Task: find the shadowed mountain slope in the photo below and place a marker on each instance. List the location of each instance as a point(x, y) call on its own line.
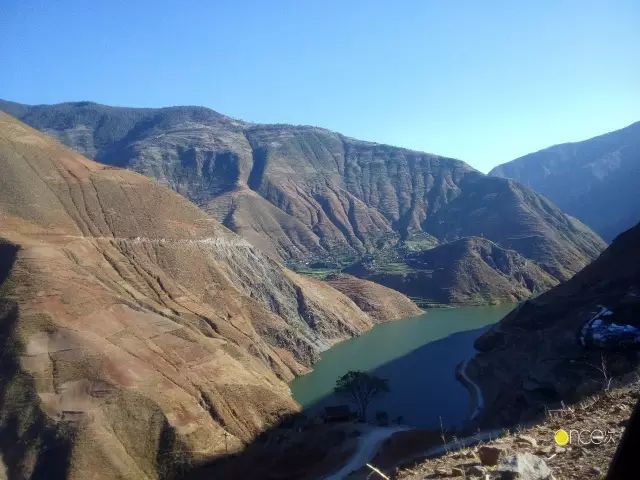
point(595, 180)
point(553, 348)
point(137, 334)
point(311, 196)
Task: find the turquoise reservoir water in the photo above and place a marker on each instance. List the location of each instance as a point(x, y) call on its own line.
point(417, 355)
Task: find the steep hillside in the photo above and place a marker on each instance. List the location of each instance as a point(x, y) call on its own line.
point(379, 302)
point(566, 343)
point(595, 180)
point(471, 270)
point(312, 197)
point(137, 334)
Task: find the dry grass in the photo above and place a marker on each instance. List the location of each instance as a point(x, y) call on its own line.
point(607, 411)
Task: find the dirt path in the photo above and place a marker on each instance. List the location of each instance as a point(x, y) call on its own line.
point(473, 386)
point(368, 445)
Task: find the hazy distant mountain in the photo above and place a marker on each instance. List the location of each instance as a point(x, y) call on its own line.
point(597, 180)
point(312, 197)
point(138, 335)
point(549, 349)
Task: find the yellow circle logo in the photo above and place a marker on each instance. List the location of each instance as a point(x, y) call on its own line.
point(562, 437)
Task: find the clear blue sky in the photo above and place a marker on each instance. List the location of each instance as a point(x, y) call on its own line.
point(484, 81)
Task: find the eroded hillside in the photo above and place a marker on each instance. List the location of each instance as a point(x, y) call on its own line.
point(312, 197)
point(139, 336)
point(472, 270)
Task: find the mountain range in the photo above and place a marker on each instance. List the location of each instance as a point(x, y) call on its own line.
point(137, 334)
point(596, 180)
point(146, 329)
point(317, 200)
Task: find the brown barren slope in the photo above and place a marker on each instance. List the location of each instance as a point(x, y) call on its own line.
point(470, 270)
point(138, 336)
point(381, 303)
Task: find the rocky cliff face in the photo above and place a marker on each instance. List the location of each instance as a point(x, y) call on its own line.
point(595, 180)
point(137, 334)
point(566, 343)
point(309, 196)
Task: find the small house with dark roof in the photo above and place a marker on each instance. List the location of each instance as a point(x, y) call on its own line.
point(337, 413)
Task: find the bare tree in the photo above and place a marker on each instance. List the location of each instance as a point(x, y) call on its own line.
point(604, 371)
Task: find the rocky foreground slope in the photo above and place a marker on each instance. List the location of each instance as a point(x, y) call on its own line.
point(138, 335)
point(531, 453)
point(312, 197)
point(595, 180)
point(566, 343)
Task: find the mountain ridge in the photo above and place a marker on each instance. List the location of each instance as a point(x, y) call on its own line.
point(308, 196)
point(594, 180)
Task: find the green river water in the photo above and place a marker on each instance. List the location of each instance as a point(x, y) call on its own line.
point(417, 355)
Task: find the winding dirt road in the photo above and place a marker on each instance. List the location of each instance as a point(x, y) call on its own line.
point(368, 445)
point(477, 396)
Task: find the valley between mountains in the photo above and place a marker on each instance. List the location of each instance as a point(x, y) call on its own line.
point(165, 272)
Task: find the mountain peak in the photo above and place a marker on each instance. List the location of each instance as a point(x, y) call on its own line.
point(594, 180)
